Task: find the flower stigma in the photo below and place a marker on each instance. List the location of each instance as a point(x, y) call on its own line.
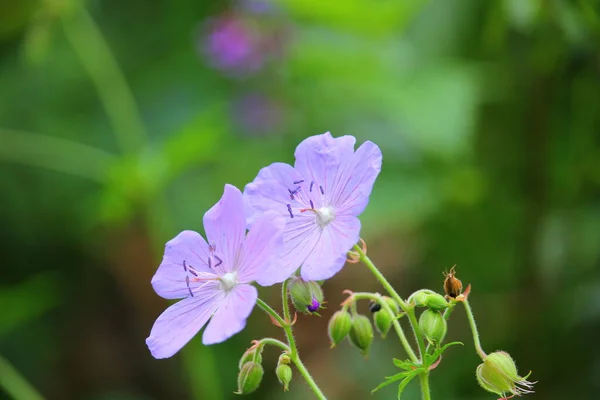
point(228, 281)
point(324, 216)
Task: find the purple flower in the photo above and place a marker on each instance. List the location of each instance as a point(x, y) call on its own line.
point(321, 196)
point(213, 278)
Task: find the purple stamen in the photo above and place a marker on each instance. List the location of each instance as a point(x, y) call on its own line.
point(311, 186)
point(314, 306)
point(321, 187)
point(209, 262)
point(297, 182)
point(219, 261)
point(187, 282)
point(312, 206)
point(290, 211)
point(184, 266)
point(192, 271)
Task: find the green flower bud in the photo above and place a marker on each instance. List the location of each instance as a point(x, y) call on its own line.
point(498, 374)
point(339, 326)
point(361, 334)
point(307, 296)
point(284, 375)
point(383, 319)
point(430, 299)
point(249, 356)
point(433, 326)
point(249, 377)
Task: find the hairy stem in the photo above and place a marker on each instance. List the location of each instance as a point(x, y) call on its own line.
point(474, 331)
point(410, 312)
point(275, 342)
point(285, 301)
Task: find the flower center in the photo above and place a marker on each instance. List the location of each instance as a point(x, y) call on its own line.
point(228, 281)
point(324, 216)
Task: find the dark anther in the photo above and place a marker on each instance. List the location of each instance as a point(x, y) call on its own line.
point(292, 193)
point(311, 185)
point(187, 282)
point(290, 211)
point(192, 272)
point(219, 261)
point(209, 262)
point(312, 206)
point(297, 182)
point(374, 307)
point(184, 266)
point(321, 187)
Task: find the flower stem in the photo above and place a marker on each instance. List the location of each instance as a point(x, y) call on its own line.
point(284, 300)
point(14, 384)
point(410, 312)
point(473, 326)
point(397, 327)
point(293, 350)
point(275, 342)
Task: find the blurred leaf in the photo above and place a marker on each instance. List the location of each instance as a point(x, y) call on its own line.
point(26, 301)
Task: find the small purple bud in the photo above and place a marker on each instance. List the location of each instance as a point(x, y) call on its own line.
point(314, 306)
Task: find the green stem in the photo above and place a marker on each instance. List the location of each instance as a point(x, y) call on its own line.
point(410, 312)
point(293, 350)
point(276, 343)
point(308, 378)
point(397, 327)
point(101, 66)
point(424, 381)
point(473, 326)
point(14, 384)
point(285, 301)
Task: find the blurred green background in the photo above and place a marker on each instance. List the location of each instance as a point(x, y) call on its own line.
point(120, 122)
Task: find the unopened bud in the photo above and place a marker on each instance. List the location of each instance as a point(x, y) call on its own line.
point(307, 296)
point(250, 354)
point(339, 326)
point(383, 319)
point(361, 334)
point(498, 374)
point(284, 371)
point(433, 326)
point(430, 299)
point(249, 377)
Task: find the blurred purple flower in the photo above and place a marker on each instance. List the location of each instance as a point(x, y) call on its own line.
point(213, 278)
point(256, 113)
point(233, 44)
point(321, 195)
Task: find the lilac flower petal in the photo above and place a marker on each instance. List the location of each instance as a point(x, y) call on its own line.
point(262, 246)
point(329, 254)
point(170, 279)
point(225, 226)
point(269, 190)
point(231, 316)
point(300, 237)
point(354, 181)
point(180, 322)
point(318, 158)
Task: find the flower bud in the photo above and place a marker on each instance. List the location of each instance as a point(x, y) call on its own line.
point(430, 299)
point(383, 319)
point(433, 326)
point(307, 296)
point(284, 371)
point(361, 334)
point(249, 377)
point(339, 326)
point(249, 356)
point(498, 374)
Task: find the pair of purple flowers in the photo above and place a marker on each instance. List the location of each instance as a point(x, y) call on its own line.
point(298, 216)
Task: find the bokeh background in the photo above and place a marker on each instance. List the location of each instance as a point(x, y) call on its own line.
point(120, 122)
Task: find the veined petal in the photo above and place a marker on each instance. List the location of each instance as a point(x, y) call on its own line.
point(230, 318)
point(329, 254)
point(355, 178)
point(318, 158)
point(270, 190)
point(263, 244)
point(187, 248)
point(181, 321)
point(300, 238)
point(225, 226)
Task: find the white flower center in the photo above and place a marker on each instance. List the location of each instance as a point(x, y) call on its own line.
point(228, 281)
point(324, 216)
